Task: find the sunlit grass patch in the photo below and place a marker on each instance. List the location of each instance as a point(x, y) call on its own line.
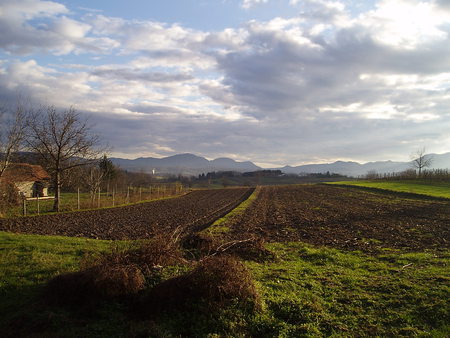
point(322, 291)
point(434, 189)
point(306, 291)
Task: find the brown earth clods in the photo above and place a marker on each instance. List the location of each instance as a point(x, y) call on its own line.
point(340, 217)
point(193, 211)
point(345, 218)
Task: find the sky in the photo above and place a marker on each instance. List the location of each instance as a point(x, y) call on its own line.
point(272, 81)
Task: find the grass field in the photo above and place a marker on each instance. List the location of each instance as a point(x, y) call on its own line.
point(69, 201)
point(306, 291)
point(434, 189)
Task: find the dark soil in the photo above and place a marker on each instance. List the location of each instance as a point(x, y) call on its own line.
point(345, 218)
point(193, 211)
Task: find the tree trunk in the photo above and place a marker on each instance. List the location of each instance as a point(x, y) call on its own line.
point(57, 191)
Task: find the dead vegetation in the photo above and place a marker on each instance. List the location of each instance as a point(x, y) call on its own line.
point(215, 282)
point(9, 196)
point(249, 247)
point(135, 275)
point(121, 272)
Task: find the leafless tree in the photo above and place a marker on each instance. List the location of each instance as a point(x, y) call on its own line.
point(93, 178)
point(63, 140)
point(12, 131)
point(420, 160)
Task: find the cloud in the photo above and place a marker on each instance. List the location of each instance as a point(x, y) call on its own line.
point(31, 25)
point(250, 3)
point(139, 75)
point(322, 85)
point(285, 70)
point(405, 24)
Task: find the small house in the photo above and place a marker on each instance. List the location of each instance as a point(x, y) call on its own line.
point(31, 180)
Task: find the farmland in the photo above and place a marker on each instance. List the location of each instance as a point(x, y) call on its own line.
point(345, 219)
point(136, 221)
point(334, 261)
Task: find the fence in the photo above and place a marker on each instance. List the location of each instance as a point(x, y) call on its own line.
point(82, 200)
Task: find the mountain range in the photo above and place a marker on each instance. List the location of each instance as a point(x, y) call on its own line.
point(183, 164)
point(189, 164)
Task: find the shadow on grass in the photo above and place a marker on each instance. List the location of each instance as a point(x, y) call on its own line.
point(25, 313)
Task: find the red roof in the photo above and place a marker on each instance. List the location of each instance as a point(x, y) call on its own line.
point(24, 172)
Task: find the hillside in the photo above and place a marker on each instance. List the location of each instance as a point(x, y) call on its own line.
point(189, 164)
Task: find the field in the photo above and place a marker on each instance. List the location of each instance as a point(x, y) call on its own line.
point(71, 201)
point(345, 219)
point(326, 261)
point(137, 221)
point(426, 188)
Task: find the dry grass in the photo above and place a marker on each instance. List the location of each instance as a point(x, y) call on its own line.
point(216, 282)
point(248, 248)
point(119, 273)
point(148, 256)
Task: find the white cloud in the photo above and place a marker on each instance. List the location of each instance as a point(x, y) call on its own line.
point(250, 3)
point(405, 23)
point(319, 84)
point(31, 25)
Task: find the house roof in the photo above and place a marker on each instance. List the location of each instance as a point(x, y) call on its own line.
point(24, 172)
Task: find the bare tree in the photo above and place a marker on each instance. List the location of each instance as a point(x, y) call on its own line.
point(93, 179)
point(420, 160)
point(12, 131)
point(63, 140)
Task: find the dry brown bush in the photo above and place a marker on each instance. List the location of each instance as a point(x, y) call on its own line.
point(216, 282)
point(100, 282)
point(148, 256)
point(248, 248)
point(117, 280)
point(9, 196)
point(120, 272)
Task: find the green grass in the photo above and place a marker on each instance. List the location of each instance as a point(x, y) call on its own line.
point(306, 292)
point(27, 262)
point(434, 189)
point(219, 226)
point(69, 203)
point(326, 292)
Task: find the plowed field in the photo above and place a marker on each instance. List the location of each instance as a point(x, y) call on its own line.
point(192, 211)
point(345, 218)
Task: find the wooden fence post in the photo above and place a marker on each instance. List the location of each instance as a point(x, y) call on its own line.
point(98, 202)
point(37, 201)
point(78, 198)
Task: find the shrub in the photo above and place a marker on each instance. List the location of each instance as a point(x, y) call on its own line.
point(86, 287)
point(9, 195)
point(149, 256)
point(118, 273)
point(216, 282)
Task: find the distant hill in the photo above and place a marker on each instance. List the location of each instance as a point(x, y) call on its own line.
point(184, 164)
point(440, 161)
point(189, 164)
